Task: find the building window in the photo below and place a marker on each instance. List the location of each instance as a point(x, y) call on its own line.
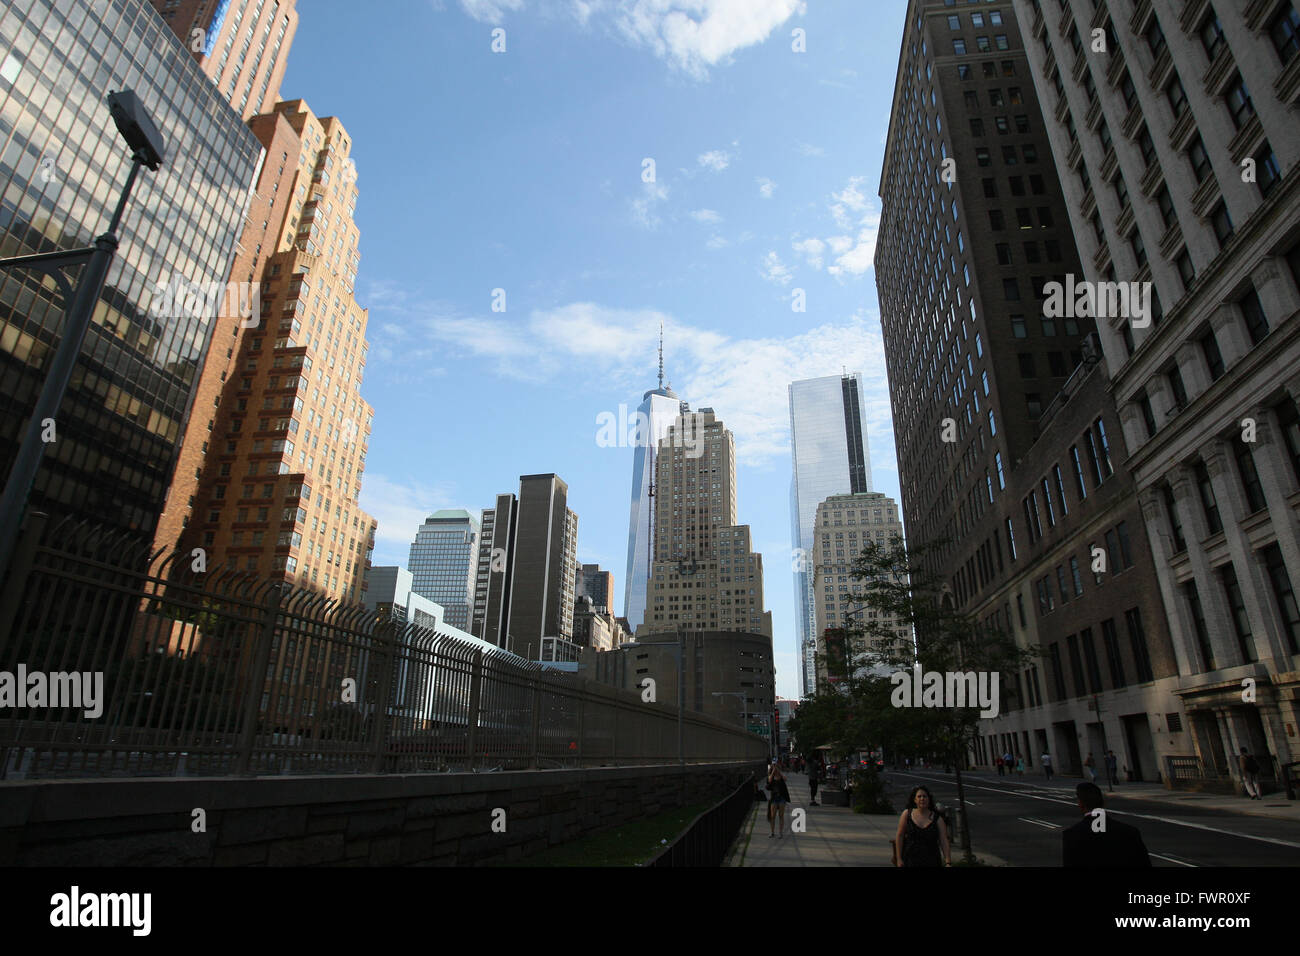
point(1090, 660)
point(1011, 549)
point(1078, 472)
point(1211, 33)
point(1165, 203)
point(1283, 594)
point(1058, 678)
point(1076, 666)
point(1240, 107)
point(1138, 642)
point(1105, 447)
point(1253, 311)
point(1143, 402)
point(1060, 489)
point(1125, 546)
point(1090, 445)
point(1197, 613)
point(1114, 658)
point(1213, 357)
point(1237, 608)
point(1221, 223)
point(1175, 525)
point(1175, 379)
point(1289, 418)
point(1267, 172)
point(1113, 555)
point(1177, 97)
point(1209, 503)
point(1200, 159)
point(1284, 31)
point(1249, 475)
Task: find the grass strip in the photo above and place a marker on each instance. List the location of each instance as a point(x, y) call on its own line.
point(627, 845)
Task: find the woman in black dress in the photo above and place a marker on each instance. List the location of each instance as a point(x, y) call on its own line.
point(922, 838)
point(780, 799)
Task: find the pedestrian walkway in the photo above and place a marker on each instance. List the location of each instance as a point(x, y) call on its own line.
point(1274, 805)
point(832, 836)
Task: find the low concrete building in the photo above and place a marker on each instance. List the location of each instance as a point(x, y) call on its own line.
point(729, 674)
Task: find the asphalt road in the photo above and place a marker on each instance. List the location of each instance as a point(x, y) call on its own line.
point(1021, 822)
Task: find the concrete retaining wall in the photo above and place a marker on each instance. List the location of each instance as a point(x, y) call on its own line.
point(363, 820)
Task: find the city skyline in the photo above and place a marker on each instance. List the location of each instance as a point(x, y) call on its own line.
point(1045, 257)
point(591, 258)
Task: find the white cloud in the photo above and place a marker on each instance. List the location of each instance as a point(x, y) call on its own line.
point(490, 11)
point(849, 200)
point(644, 207)
point(705, 215)
point(744, 378)
point(670, 28)
point(691, 35)
point(399, 507)
point(765, 187)
point(812, 250)
point(853, 249)
point(807, 149)
point(717, 242)
point(774, 270)
point(715, 159)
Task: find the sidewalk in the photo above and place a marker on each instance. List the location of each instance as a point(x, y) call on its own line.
point(1274, 805)
point(834, 836)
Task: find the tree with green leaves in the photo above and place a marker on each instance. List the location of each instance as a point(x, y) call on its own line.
point(900, 592)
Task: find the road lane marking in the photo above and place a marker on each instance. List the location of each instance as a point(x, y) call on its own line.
point(1041, 823)
point(1171, 859)
point(1142, 816)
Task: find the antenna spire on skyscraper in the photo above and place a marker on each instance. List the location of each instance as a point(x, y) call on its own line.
point(661, 355)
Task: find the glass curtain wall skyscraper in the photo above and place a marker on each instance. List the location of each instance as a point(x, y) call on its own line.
point(442, 562)
point(828, 448)
point(62, 168)
point(658, 410)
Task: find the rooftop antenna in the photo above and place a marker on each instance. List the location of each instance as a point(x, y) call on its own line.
point(661, 356)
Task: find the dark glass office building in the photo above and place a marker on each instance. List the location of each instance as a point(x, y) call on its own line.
point(62, 167)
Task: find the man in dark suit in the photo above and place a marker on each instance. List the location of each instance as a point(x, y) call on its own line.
point(1099, 840)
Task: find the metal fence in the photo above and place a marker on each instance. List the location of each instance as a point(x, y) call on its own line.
point(706, 841)
point(126, 662)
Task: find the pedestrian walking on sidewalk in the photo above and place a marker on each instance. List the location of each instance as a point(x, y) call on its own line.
point(922, 838)
point(1047, 764)
point(780, 792)
point(1250, 774)
point(1091, 766)
point(1002, 770)
point(1112, 769)
point(814, 778)
point(1020, 766)
point(1098, 840)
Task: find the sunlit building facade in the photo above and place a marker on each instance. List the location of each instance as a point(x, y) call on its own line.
point(830, 456)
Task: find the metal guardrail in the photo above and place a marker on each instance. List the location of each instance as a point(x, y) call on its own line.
point(222, 673)
point(706, 841)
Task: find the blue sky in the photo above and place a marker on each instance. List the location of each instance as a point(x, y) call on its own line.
point(523, 171)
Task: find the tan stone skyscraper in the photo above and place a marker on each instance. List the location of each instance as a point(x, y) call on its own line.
point(704, 575)
point(242, 45)
point(282, 475)
point(844, 525)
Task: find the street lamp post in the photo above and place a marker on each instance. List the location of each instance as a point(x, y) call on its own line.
point(147, 149)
